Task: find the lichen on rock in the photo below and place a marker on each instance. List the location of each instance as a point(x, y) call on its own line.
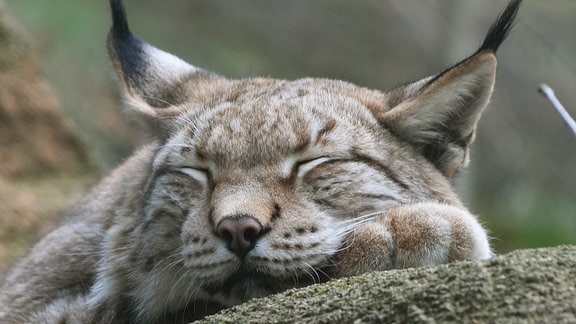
point(537, 285)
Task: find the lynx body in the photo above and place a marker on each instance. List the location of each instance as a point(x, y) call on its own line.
point(249, 187)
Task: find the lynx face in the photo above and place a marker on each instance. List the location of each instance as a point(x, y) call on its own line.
point(258, 185)
point(261, 191)
point(253, 186)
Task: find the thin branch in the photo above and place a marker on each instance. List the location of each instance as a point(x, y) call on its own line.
point(549, 93)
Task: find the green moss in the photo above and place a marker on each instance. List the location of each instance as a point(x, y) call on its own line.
point(523, 286)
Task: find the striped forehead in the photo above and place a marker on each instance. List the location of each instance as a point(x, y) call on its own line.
point(264, 131)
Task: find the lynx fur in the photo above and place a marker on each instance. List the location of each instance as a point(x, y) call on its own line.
point(250, 187)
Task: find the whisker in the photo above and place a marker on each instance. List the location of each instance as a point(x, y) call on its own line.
point(307, 271)
point(187, 297)
point(367, 217)
point(178, 145)
point(316, 278)
point(175, 286)
point(161, 100)
point(102, 252)
point(324, 272)
point(344, 247)
point(294, 276)
point(194, 296)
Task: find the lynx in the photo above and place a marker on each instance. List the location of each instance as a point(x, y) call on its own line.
point(250, 187)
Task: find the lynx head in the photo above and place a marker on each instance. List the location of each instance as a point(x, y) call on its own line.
point(255, 183)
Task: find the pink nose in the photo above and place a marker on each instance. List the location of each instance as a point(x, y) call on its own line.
point(240, 232)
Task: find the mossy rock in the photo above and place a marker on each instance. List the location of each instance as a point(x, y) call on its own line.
point(536, 285)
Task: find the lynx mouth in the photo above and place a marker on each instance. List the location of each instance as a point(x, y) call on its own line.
point(247, 284)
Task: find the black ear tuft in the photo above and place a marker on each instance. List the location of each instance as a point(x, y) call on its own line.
point(438, 115)
point(152, 82)
point(119, 21)
point(126, 51)
point(500, 29)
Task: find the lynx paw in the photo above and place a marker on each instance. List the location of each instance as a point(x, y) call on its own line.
point(414, 235)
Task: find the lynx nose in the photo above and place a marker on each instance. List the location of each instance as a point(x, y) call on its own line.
point(241, 233)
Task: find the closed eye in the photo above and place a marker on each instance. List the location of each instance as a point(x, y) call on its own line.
point(305, 166)
point(199, 174)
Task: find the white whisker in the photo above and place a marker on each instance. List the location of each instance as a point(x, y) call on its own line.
point(316, 278)
point(307, 271)
point(160, 100)
point(178, 145)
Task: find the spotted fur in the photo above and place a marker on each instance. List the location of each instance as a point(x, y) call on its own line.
point(253, 186)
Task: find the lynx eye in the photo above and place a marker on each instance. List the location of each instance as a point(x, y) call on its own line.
point(199, 174)
point(304, 166)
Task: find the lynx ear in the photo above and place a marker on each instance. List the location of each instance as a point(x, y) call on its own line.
point(438, 115)
point(154, 83)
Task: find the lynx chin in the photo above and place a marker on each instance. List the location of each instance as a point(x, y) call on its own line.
point(249, 187)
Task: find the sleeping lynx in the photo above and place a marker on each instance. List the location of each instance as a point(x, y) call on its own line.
point(249, 187)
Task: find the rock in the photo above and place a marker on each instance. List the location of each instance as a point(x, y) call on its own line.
point(536, 285)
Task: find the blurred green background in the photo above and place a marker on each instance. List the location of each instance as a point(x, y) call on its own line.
point(522, 179)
